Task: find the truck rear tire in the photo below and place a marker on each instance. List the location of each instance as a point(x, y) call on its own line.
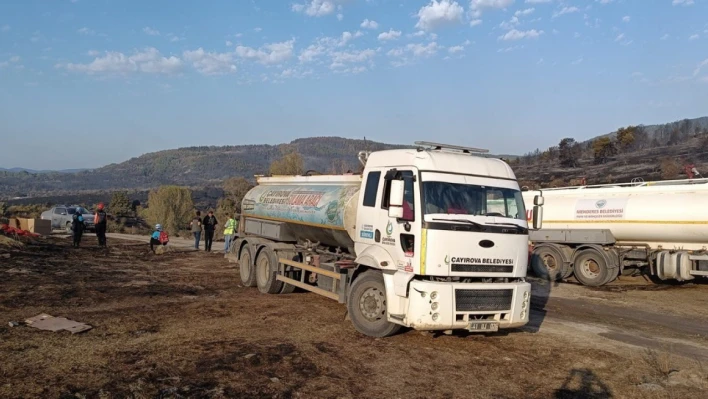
point(366, 305)
point(245, 265)
point(266, 272)
point(591, 268)
point(548, 263)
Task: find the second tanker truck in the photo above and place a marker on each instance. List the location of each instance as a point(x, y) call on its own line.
point(658, 229)
point(411, 242)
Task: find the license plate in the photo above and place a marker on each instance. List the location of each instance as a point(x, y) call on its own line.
point(490, 326)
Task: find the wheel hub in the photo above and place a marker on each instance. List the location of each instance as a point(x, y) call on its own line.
point(591, 268)
point(372, 304)
point(550, 262)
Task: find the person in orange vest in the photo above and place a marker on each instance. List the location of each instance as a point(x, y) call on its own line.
point(100, 220)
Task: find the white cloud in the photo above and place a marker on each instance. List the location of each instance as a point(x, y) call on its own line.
point(229, 43)
point(85, 31)
point(455, 49)
point(439, 13)
point(509, 49)
point(317, 8)
point(148, 60)
point(518, 35)
point(93, 53)
point(5, 28)
point(626, 18)
point(509, 25)
point(341, 58)
point(257, 29)
point(414, 50)
point(15, 59)
point(369, 24)
point(423, 50)
point(520, 13)
point(666, 36)
point(694, 37)
point(700, 66)
point(209, 63)
point(565, 10)
point(682, 2)
point(390, 35)
point(273, 53)
point(340, 17)
point(577, 62)
point(311, 53)
point(619, 37)
point(475, 22)
point(477, 6)
point(150, 31)
point(604, 1)
point(537, 1)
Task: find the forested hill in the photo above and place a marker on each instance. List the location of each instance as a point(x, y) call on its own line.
point(192, 166)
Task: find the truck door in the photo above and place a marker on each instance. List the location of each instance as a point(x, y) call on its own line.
point(401, 236)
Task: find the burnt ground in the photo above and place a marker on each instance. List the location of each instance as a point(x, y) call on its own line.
point(180, 325)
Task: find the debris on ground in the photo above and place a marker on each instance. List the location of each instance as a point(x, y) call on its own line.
point(50, 323)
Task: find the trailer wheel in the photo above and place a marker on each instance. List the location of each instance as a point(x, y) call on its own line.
point(366, 305)
point(266, 267)
point(547, 263)
point(245, 266)
point(590, 268)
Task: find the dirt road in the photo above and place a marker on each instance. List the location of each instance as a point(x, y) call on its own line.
point(180, 325)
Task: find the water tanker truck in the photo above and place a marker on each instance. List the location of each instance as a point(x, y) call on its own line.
point(411, 242)
point(659, 229)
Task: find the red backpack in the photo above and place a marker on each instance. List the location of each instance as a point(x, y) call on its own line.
point(164, 239)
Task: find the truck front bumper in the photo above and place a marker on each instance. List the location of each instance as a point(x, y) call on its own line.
point(447, 306)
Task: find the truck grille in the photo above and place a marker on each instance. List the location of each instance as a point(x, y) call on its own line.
point(483, 300)
point(457, 267)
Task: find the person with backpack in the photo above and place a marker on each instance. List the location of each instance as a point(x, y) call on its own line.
point(159, 237)
point(209, 224)
point(229, 229)
point(196, 227)
point(77, 228)
point(100, 220)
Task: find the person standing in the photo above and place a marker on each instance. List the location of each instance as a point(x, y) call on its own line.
point(196, 227)
point(229, 228)
point(77, 228)
point(209, 224)
point(100, 220)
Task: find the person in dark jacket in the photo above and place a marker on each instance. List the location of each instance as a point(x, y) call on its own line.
point(77, 228)
point(209, 224)
point(100, 220)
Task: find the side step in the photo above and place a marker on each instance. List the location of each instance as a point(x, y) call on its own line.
point(698, 273)
point(339, 288)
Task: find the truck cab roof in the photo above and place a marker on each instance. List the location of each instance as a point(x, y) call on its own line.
point(442, 162)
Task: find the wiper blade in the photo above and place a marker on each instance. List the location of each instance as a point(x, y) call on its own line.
point(480, 226)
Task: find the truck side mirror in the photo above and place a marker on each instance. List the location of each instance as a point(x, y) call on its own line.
point(395, 199)
point(538, 200)
point(537, 217)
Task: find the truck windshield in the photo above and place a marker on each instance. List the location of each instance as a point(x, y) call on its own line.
point(467, 199)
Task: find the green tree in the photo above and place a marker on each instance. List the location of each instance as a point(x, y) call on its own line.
point(235, 189)
point(120, 204)
point(289, 164)
point(569, 153)
point(171, 206)
point(626, 138)
point(603, 148)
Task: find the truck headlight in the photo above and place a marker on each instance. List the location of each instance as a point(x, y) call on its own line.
point(435, 316)
point(434, 295)
point(434, 306)
point(523, 314)
point(526, 295)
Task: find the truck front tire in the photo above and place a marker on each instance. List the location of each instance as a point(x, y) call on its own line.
point(245, 266)
point(366, 305)
point(266, 272)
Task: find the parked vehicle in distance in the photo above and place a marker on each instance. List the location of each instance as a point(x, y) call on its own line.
point(62, 215)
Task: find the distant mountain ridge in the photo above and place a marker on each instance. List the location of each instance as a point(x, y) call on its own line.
point(17, 170)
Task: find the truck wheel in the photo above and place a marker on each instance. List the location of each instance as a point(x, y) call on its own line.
point(68, 228)
point(547, 263)
point(366, 305)
point(590, 268)
point(266, 266)
point(245, 266)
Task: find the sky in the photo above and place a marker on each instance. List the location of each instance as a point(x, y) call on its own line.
point(85, 83)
